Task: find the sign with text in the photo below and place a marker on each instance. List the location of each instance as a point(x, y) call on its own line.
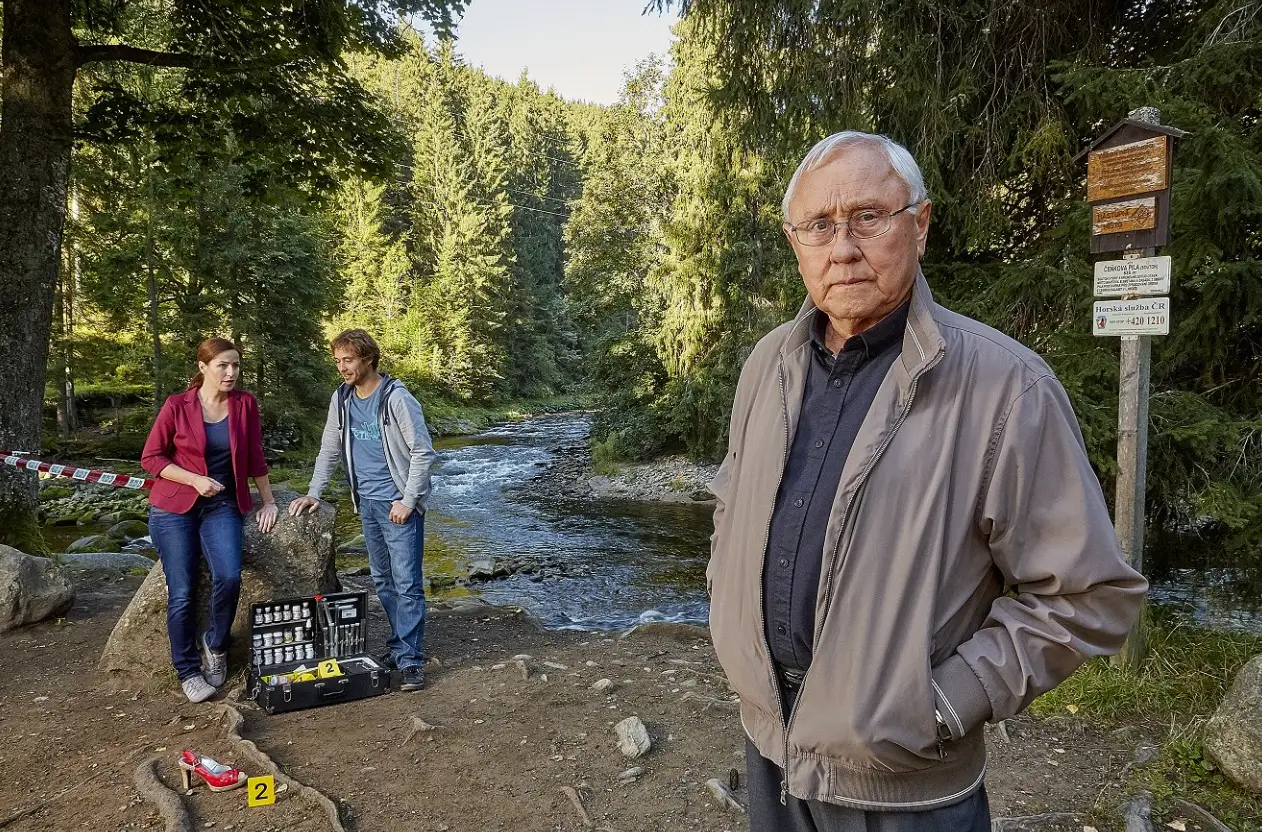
point(1128, 215)
point(1127, 169)
point(1139, 276)
point(1150, 316)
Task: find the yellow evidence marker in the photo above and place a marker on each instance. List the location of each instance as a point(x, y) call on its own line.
point(261, 791)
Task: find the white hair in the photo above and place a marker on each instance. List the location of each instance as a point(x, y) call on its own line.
point(900, 159)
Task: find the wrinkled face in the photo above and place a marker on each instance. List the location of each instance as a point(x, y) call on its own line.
point(858, 282)
point(222, 372)
point(350, 366)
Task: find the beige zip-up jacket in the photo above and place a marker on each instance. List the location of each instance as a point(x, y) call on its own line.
point(969, 564)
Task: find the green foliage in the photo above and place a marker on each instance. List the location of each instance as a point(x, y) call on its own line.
point(452, 256)
point(456, 264)
point(994, 103)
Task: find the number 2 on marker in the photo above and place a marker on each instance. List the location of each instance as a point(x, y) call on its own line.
point(262, 790)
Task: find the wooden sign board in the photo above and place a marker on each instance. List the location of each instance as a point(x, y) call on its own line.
point(1130, 162)
point(1125, 170)
point(1120, 217)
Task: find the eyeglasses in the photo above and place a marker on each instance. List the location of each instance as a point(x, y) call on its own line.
point(864, 224)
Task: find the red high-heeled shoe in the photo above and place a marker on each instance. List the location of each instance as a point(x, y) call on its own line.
point(217, 776)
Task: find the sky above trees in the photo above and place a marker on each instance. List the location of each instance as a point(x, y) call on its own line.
point(579, 48)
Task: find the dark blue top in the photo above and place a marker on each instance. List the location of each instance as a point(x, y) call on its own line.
point(219, 462)
point(839, 391)
point(372, 475)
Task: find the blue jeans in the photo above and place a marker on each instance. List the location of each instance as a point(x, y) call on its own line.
point(212, 531)
point(395, 554)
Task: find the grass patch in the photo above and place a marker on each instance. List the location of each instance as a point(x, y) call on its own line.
point(1187, 671)
point(1176, 689)
point(606, 457)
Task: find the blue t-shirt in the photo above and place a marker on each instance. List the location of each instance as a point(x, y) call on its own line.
point(372, 477)
point(219, 461)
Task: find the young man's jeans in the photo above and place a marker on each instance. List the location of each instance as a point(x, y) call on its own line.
point(395, 557)
point(213, 531)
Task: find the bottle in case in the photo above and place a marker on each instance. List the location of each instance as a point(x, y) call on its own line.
point(312, 651)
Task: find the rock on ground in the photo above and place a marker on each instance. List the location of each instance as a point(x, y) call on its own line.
point(31, 589)
point(295, 558)
point(1233, 737)
point(633, 737)
point(723, 795)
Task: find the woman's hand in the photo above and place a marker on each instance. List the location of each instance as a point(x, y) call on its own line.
point(206, 486)
point(267, 517)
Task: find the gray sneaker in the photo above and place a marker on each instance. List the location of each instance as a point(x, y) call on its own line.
point(197, 689)
point(214, 665)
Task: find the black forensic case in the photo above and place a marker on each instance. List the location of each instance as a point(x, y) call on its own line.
point(288, 634)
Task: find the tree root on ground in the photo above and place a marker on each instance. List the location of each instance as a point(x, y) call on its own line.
point(233, 722)
point(161, 797)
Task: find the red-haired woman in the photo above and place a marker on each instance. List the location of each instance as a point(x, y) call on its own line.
point(203, 446)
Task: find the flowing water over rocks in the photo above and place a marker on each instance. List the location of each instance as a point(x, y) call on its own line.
point(624, 562)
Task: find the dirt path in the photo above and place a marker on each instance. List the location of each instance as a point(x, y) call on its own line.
point(503, 748)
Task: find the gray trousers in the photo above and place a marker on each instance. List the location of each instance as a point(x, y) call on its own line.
point(766, 814)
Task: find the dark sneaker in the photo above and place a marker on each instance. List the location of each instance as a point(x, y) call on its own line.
point(413, 678)
point(387, 661)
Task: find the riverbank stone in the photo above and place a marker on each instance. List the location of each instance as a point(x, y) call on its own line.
point(295, 558)
point(31, 589)
point(128, 530)
point(355, 545)
point(95, 543)
point(1233, 736)
point(89, 567)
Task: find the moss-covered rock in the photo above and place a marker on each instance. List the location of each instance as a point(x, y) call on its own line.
point(95, 543)
point(128, 530)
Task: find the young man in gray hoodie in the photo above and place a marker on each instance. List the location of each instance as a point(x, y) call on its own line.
point(377, 427)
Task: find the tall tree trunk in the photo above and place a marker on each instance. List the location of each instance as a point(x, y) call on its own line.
point(63, 329)
point(36, 121)
point(151, 288)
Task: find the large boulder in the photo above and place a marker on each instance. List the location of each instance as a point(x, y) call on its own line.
point(1233, 737)
point(31, 589)
point(295, 558)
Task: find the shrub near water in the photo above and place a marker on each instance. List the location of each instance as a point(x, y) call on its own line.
point(1176, 690)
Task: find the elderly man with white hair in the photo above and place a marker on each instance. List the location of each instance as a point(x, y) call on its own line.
point(909, 539)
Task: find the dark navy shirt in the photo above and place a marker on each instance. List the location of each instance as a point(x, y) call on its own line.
point(839, 391)
point(219, 462)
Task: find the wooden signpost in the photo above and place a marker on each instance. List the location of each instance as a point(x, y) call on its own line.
point(1128, 186)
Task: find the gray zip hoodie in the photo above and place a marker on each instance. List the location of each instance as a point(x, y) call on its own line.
point(404, 436)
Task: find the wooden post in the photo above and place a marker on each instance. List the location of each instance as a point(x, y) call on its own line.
point(1132, 466)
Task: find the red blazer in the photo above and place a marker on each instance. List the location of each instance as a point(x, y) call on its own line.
point(178, 437)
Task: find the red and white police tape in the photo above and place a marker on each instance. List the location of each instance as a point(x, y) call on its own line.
point(80, 474)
